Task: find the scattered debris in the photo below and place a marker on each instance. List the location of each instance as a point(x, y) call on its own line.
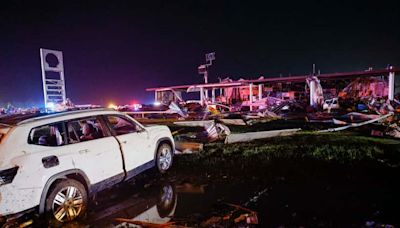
point(188, 147)
point(331, 104)
point(315, 87)
point(145, 224)
point(197, 123)
point(215, 131)
point(394, 131)
point(239, 215)
point(249, 136)
point(365, 88)
point(175, 108)
point(376, 133)
point(354, 117)
point(233, 121)
point(357, 124)
point(373, 224)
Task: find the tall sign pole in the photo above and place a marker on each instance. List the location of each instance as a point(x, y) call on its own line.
point(209, 58)
point(53, 78)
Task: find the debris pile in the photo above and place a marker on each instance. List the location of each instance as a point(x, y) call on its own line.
point(235, 215)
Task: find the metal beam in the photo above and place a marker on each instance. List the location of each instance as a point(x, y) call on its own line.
point(202, 96)
point(391, 85)
point(313, 88)
point(251, 96)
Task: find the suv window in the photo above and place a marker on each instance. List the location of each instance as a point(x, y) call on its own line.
point(84, 130)
point(122, 125)
point(48, 135)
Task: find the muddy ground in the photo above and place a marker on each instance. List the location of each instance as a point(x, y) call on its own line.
point(299, 181)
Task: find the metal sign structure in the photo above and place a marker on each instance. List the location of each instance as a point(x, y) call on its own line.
point(209, 58)
point(53, 77)
point(203, 69)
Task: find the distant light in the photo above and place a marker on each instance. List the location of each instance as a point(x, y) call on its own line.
point(136, 106)
point(113, 106)
point(50, 106)
point(156, 103)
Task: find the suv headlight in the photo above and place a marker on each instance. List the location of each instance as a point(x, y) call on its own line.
point(7, 175)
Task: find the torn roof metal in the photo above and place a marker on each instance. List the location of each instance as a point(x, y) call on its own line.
point(300, 78)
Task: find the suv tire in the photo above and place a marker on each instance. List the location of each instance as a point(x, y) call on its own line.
point(66, 201)
point(164, 157)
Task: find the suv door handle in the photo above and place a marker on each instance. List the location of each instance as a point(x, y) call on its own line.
point(83, 151)
point(124, 142)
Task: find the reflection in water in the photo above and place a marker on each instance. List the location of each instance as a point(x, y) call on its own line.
point(154, 205)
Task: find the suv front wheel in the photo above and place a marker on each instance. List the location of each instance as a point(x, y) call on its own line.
point(164, 157)
point(67, 200)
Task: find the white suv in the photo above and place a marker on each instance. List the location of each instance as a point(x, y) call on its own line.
point(54, 163)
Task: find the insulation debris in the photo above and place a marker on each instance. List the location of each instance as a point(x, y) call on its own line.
point(249, 136)
point(233, 121)
point(173, 107)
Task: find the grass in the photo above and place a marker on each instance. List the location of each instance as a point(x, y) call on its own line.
point(340, 147)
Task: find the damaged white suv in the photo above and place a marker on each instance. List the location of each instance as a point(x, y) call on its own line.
point(54, 163)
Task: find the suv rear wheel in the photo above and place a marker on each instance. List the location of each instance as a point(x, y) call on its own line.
point(67, 201)
point(164, 157)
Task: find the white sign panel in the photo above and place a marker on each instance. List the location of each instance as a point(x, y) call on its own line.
point(210, 56)
point(52, 77)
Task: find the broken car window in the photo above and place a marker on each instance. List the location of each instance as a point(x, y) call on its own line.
point(48, 135)
point(84, 130)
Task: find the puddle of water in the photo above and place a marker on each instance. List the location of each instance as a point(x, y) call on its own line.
point(284, 194)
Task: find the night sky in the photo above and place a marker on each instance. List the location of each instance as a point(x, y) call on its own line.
point(113, 50)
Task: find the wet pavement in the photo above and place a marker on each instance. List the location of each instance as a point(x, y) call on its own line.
point(283, 194)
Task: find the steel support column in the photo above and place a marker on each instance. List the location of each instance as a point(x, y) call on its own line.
point(313, 88)
point(391, 85)
point(201, 95)
point(251, 96)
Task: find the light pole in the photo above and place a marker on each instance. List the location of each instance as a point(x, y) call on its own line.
point(203, 69)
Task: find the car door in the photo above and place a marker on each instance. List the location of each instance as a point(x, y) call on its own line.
point(97, 153)
point(134, 141)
